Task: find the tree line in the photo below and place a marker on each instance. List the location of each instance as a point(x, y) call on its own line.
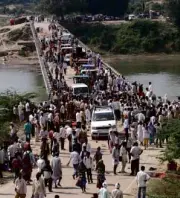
point(106, 7)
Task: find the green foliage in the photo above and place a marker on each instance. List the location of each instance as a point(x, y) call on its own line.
point(7, 101)
point(60, 8)
point(173, 8)
point(171, 130)
point(110, 8)
point(139, 36)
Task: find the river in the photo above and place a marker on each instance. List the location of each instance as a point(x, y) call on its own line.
point(163, 72)
point(22, 79)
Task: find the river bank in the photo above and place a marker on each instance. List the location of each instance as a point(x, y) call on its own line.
point(137, 37)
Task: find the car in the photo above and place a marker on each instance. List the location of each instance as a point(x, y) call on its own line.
point(103, 118)
point(79, 89)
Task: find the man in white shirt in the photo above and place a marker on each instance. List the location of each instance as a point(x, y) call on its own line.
point(78, 119)
point(135, 152)
point(62, 136)
point(20, 187)
point(40, 164)
point(88, 162)
point(88, 116)
point(141, 179)
point(75, 159)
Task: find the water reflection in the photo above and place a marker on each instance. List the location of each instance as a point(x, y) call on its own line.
point(24, 79)
point(164, 74)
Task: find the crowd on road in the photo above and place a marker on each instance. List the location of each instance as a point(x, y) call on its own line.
point(65, 119)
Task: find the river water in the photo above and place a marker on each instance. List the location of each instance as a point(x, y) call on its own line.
point(22, 79)
point(164, 73)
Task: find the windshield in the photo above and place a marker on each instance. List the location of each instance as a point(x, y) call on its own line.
point(103, 116)
point(80, 90)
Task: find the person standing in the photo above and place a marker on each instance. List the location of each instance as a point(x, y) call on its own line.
point(57, 169)
point(62, 136)
point(104, 193)
point(141, 179)
point(115, 157)
point(117, 193)
point(28, 129)
point(136, 151)
point(38, 187)
point(20, 187)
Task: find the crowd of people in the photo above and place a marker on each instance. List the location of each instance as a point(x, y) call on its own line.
point(66, 118)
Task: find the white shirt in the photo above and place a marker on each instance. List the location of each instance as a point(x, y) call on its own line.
point(68, 131)
point(27, 107)
point(88, 115)
point(141, 178)
point(40, 164)
point(88, 162)
point(62, 132)
point(56, 135)
point(78, 117)
point(75, 157)
point(135, 151)
point(88, 147)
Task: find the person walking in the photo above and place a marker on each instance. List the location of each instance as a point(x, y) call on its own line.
point(141, 179)
point(75, 158)
point(20, 187)
point(38, 187)
point(88, 162)
point(123, 155)
point(57, 169)
point(115, 157)
point(117, 193)
point(47, 173)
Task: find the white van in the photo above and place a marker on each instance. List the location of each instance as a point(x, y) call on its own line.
point(103, 118)
point(80, 89)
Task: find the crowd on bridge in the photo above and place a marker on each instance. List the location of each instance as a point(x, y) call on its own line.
point(66, 118)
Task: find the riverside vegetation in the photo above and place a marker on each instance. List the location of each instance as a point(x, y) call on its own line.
point(139, 36)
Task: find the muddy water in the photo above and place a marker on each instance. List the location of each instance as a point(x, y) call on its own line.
point(22, 79)
point(163, 72)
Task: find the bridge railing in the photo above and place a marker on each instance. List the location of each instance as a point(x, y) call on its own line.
point(43, 64)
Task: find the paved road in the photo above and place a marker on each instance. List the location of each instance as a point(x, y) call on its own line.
point(128, 183)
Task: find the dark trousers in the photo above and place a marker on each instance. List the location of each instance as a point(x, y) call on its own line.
point(1, 169)
point(141, 192)
point(78, 124)
point(114, 169)
point(134, 166)
point(48, 182)
point(16, 173)
point(89, 175)
point(75, 167)
point(62, 140)
point(117, 114)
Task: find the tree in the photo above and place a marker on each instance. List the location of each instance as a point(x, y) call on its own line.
point(108, 7)
point(61, 7)
point(173, 8)
point(171, 131)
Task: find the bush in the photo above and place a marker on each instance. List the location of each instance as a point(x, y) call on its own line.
point(133, 37)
